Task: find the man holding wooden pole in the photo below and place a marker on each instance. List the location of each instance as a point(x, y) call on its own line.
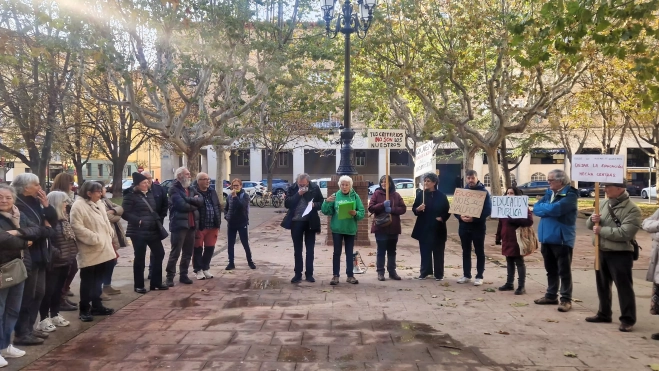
point(557, 232)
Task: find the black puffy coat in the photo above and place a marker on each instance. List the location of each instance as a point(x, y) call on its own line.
point(64, 250)
point(293, 198)
point(180, 204)
point(142, 223)
point(236, 210)
point(160, 196)
point(31, 208)
point(11, 246)
point(202, 210)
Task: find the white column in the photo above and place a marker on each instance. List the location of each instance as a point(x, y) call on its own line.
point(226, 156)
point(524, 170)
point(382, 163)
point(255, 165)
point(211, 163)
point(298, 162)
point(480, 168)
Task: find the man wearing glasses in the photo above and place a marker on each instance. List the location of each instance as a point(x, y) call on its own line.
point(209, 227)
point(557, 231)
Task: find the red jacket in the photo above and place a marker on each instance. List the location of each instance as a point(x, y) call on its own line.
point(506, 235)
point(376, 207)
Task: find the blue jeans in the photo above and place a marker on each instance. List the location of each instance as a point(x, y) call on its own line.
point(10, 305)
point(349, 246)
point(109, 269)
point(478, 239)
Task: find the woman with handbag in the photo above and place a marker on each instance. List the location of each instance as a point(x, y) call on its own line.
point(507, 237)
point(16, 235)
point(93, 233)
point(63, 252)
point(431, 208)
point(144, 229)
point(386, 225)
point(63, 182)
point(344, 227)
point(114, 212)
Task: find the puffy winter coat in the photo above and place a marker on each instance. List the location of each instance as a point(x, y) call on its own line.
point(558, 218)
point(212, 194)
point(236, 210)
point(427, 226)
point(376, 207)
point(160, 196)
point(93, 232)
point(64, 249)
point(651, 225)
point(293, 198)
point(11, 246)
point(31, 208)
point(181, 203)
point(142, 223)
point(507, 234)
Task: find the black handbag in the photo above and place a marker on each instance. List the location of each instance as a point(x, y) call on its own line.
point(161, 230)
point(637, 247)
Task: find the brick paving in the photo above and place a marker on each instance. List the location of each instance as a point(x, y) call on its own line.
point(256, 320)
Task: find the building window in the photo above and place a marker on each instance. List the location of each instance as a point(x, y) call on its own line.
point(487, 180)
point(282, 159)
point(128, 172)
point(100, 169)
point(538, 177)
point(243, 158)
point(360, 158)
point(547, 156)
point(89, 169)
point(399, 158)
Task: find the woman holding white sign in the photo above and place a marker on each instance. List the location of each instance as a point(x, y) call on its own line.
point(507, 238)
point(431, 208)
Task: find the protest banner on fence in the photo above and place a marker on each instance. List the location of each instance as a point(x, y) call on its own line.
point(516, 207)
point(598, 168)
point(386, 139)
point(467, 202)
point(424, 159)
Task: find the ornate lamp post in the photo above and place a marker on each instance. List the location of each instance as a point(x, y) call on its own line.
point(347, 22)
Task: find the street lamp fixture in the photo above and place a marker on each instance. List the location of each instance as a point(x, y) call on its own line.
point(347, 22)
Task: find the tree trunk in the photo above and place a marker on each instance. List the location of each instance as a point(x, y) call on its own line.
point(504, 164)
point(220, 152)
point(118, 164)
point(493, 167)
point(271, 158)
point(193, 159)
point(81, 177)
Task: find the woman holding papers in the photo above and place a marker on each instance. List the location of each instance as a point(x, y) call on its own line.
point(507, 238)
point(431, 208)
point(346, 209)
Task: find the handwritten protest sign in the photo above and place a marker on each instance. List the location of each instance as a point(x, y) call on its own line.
point(386, 139)
point(516, 207)
point(598, 168)
point(424, 159)
point(467, 202)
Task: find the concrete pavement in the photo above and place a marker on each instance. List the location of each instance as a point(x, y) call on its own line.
point(256, 320)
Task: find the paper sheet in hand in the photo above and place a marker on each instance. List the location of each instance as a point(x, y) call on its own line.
point(308, 209)
point(344, 210)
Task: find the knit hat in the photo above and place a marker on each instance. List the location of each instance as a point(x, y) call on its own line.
point(619, 185)
point(138, 178)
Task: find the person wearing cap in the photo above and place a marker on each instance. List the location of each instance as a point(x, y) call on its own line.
point(557, 232)
point(619, 219)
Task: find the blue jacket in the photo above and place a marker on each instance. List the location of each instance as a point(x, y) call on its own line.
point(478, 224)
point(558, 218)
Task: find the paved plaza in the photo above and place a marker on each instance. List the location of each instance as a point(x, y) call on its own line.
point(256, 320)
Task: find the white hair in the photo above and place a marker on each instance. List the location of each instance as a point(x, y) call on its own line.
point(179, 171)
point(345, 178)
point(21, 181)
point(57, 199)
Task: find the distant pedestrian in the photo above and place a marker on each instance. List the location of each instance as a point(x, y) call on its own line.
point(64, 182)
point(620, 219)
point(114, 212)
point(507, 237)
point(156, 182)
point(236, 213)
point(651, 225)
point(431, 208)
point(386, 236)
point(303, 226)
point(557, 232)
point(343, 229)
point(472, 230)
point(210, 219)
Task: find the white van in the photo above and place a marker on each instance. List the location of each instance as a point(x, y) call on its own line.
point(322, 183)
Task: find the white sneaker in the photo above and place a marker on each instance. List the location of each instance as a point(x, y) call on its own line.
point(464, 280)
point(3, 362)
point(12, 352)
point(478, 282)
point(200, 275)
point(46, 326)
point(208, 274)
point(59, 321)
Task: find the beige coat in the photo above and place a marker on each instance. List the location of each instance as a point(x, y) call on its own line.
point(612, 237)
point(651, 225)
point(93, 232)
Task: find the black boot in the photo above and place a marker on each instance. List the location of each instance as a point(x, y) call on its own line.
point(507, 287)
point(169, 282)
point(185, 279)
point(380, 276)
point(520, 290)
point(101, 311)
point(85, 313)
point(521, 273)
point(230, 266)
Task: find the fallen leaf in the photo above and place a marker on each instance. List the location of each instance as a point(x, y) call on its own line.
point(449, 290)
point(326, 290)
point(487, 333)
point(503, 332)
point(551, 320)
point(455, 353)
point(488, 283)
point(518, 304)
point(372, 265)
point(448, 266)
point(654, 367)
point(434, 296)
point(455, 275)
point(577, 300)
point(570, 354)
point(371, 254)
point(489, 289)
point(404, 289)
point(204, 290)
point(445, 284)
point(479, 299)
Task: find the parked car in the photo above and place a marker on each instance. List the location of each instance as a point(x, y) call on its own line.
point(406, 189)
point(652, 191)
point(372, 188)
point(634, 189)
point(165, 184)
point(400, 180)
point(125, 183)
point(249, 187)
point(534, 188)
point(589, 191)
point(278, 185)
point(212, 185)
point(322, 184)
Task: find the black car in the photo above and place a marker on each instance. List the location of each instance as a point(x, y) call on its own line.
point(165, 184)
point(634, 189)
point(534, 188)
point(589, 191)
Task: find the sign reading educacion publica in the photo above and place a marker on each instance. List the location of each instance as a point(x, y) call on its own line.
point(516, 207)
point(468, 202)
point(390, 138)
point(424, 158)
point(598, 168)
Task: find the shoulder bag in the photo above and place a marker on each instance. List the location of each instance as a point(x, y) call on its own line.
point(527, 240)
point(637, 247)
point(12, 273)
point(163, 232)
point(383, 220)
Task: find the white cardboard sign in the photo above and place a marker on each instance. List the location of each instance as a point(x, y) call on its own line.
point(516, 207)
point(424, 159)
point(390, 138)
point(598, 168)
